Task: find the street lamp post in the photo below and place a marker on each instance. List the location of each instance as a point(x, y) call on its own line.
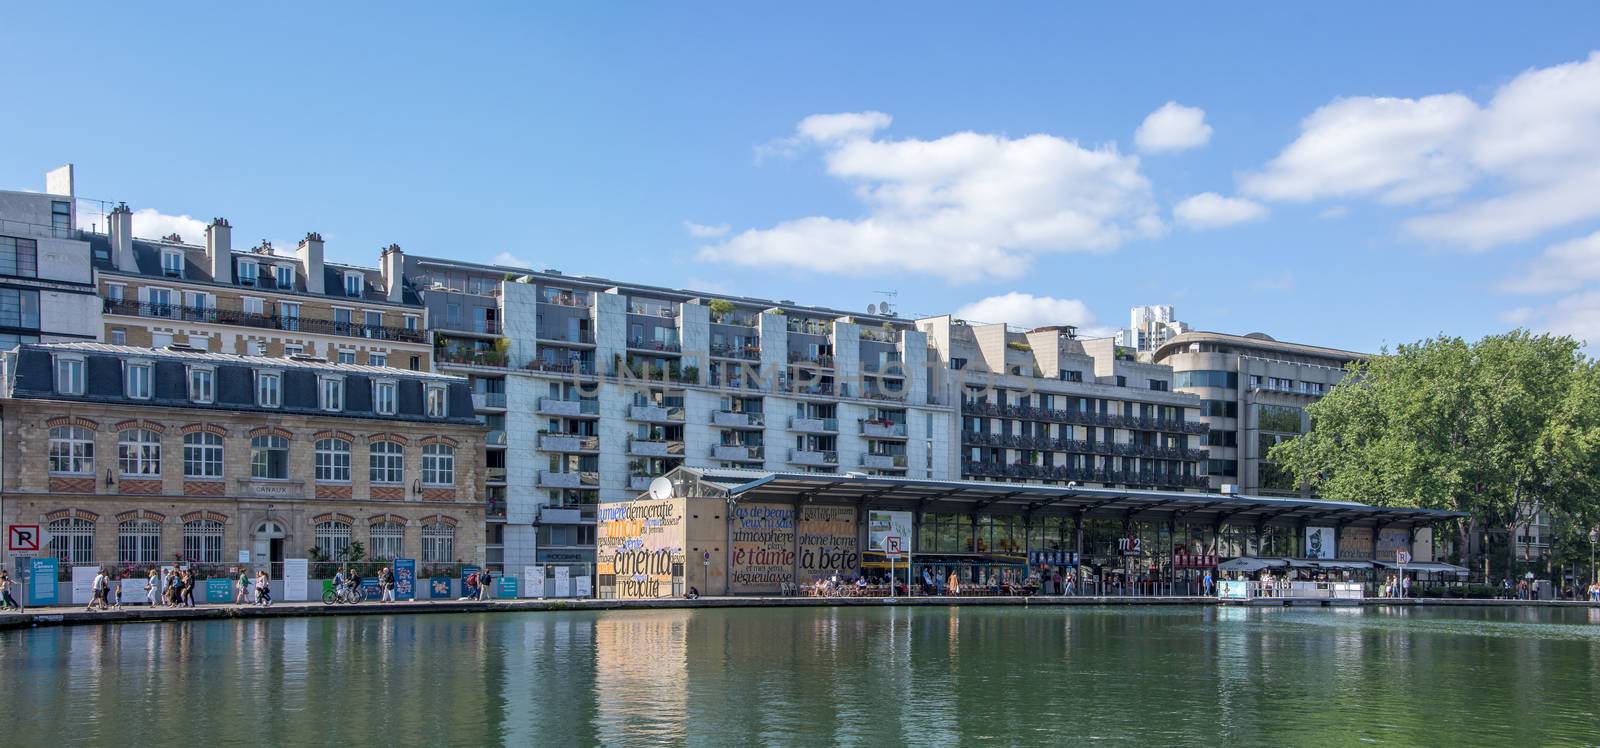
point(1594, 536)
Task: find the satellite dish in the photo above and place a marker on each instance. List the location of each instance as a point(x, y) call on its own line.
point(872, 309)
point(661, 488)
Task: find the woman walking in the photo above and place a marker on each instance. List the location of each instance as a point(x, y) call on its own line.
point(152, 588)
point(6, 585)
point(241, 593)
point(263, 590)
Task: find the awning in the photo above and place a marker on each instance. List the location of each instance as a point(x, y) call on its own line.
point(1432, 567)
point(1249, 564)
point(1341, 564)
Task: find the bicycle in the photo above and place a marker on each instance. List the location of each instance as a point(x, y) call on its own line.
point(344, 595)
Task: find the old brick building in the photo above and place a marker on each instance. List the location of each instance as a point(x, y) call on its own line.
point(132, 455)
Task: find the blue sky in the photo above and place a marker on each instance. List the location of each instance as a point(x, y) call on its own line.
point(1378, 175)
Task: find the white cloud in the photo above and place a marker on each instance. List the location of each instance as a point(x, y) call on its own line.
point(1562, 267)
point(1027, 310)
point(1334, 211)
point(1577, 315)
point(1208, 210)
point(148, 223)
point(1520, 165)
point(1173, 128)
point(702, 231)
point(512, 261)
point(964, 206)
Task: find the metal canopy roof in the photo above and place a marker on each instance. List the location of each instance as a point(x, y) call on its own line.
point(1018, 498)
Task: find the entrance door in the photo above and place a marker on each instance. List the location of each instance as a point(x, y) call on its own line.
point(268, 548)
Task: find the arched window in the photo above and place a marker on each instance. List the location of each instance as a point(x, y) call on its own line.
point(438, 465)
point(202, 541)
point(333, 461)
point(438, 543)
point(138, 541)
point(72, 541)
point(388, 541)
point(139, 452)
point(387, 462)
point(269, 457)
point(202, 455)
point(71, 450)
point(333, 537)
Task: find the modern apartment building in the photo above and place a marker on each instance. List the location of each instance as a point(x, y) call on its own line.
point(46, 283)
point(1044, 406)
point(1253, 393)
point(134, 456)
point(1149, 327)
point(592, 387)
point(260, 302)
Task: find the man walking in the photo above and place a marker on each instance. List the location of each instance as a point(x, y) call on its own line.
point(485, 580)
point(1206, 583)
point(385, 585)
point(98, 591)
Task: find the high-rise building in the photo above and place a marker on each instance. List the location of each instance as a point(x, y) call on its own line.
point(47, 294)
point(1149, 327)
point(1253, 392)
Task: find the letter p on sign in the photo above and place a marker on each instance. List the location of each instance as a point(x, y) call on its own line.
point(23, 538)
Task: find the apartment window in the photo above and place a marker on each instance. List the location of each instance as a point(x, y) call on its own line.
point(333, 461)
point(269, 389)
point(352, 285)
point(72, 541)
point(284, 275)
point(438, 543)
point(202, 384)
point(254, 306)
point(1158, 385)
point(388, 540)
point(69, 376)
point(71, 451)
point(957, 363)
point(438, 401)
point(269, 457)
point(377, 359)
point(19, 308)
point(260, 347)
point(116, 292)
point(332, 393)
point(139, 453)
point(1219, 408)
point(333, 538)
point(136, 381)
point(438, 465)
point(138, 541)
point(119, 336)
point(293, 350)
point(372, 320)
point(172, 264)
point(383, 397)
point(347, 356)
point(1071, 375)
point(411, 322)
point(416, 363)
point(1122, 381)
point(61, 219)
point(202, 455)
point(19, 257)
point(288, 316)
point(202, 541)
point(386, 462)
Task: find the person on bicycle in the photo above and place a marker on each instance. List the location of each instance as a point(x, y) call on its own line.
point(339, 582)
point(355, 584)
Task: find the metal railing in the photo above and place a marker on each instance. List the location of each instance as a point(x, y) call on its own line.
point(582, 336)
point(1079, 417)
point(266, 321)
point(742, 352)
point(575, 366)
point(1063, 473)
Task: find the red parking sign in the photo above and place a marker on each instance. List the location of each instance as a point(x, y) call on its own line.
point(23, 538)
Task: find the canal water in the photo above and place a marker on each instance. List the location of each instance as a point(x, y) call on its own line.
point(809, 676)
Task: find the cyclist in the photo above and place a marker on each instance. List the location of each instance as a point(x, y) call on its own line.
point(355, 584)
point(339, 582)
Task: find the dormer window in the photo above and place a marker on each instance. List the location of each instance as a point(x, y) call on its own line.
point(332, 393)
point(438, 401)
point(136, 380)
point(69, 375)
point(202, 384)
point(249, 271)
point(353, 283)
point(383, 397)
point(172, 263)
point(284, 274)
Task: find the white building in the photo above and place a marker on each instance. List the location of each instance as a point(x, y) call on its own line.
point(1149, 327)
point(47, 291)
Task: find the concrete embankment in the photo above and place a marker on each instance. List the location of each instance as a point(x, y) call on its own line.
point(73, 616)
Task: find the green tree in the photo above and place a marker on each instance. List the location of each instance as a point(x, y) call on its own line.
point(1499, 429)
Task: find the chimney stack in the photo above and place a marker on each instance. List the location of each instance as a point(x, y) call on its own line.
point(219, 250)
point(393, 267)
point(310, 254)
point(119, 226)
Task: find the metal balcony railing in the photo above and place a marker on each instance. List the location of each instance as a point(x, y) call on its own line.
point(263, 321)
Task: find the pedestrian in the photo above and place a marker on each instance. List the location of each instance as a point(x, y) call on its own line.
point(954, 584)
point(471, 585)
point(241, 593)
point(175, 589)
point(485, 580)
point(1405, 586)
point(97, 591)
point(263, 590)
point(6, 585)
point(188, 588)
point(1206, 583)
point(386, 585)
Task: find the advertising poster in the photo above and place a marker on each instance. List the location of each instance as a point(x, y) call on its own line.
point(217, 590)
point(295, 571)
point(533, 581)
point(1321, 542)
point(467, 571)
point(43, 586)
point(405, 579)
point(369, 586)
point(508, 587)
point(763, 548)
point(132, 591)
point(827, 543)
point(83, 584)
point(439, 588)
point(563, 582)
point(582, 586)
point(882, 525)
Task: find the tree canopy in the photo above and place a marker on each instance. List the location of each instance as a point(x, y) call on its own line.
point(1497, 428)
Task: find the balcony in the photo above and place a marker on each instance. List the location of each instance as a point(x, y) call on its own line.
point(819, 458)
point(737, 453)
point(730, 419)
point(494, 475)
point(810, 327)
point(495, 438)
point(654, 448)
point(883, 429)
point(817, 360)
point(656, 413)
point(577, 479)
point(460, 357)
point(886, 370)
point(579, 337)
point(485, 327)
point(658, 346)
point(640, 482)
point(883, 462)
point(554, 442)
point(556, 406)
point(574, 367)
point(814, 425)
point(488, 400)
point(264, 321)
point(1020, 471)
point(571, 301)
point(879, 334)
point(741, 352)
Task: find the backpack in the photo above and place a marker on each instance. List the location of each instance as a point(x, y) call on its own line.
point(472, 579)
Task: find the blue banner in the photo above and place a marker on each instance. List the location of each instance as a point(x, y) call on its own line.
point(467, 571)
point(439, 588)
point(508, 587)
point(219, 590)
point(369, 585)
point(43, 587)
point(405, 579)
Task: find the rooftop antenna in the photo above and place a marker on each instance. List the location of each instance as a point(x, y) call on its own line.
point(884, 308)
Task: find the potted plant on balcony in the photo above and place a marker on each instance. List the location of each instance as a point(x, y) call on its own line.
point(720, 309)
